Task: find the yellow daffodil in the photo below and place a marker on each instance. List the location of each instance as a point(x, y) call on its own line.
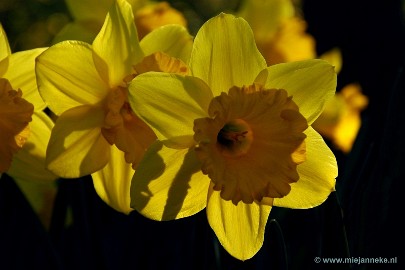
point(154, 15)
point(86, 87)
point(88, 18)
point(17, 78)
point(280, 33)
point(235, 137)
point(28, 164)
point(341, 119)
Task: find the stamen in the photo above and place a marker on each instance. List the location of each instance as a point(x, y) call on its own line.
point(124, 129)
point(234, 138)
point(161, 62)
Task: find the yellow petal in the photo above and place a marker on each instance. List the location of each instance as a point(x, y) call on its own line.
point(77, 147)
point(225, 54)
point(117, 44)
point(112, 183)
point(161, 62)
point(168, 184)
point(310, 82)
point(67, 77)
point(29, 163)
point(239, 228)
point(317, 175)
point(4, 66)
point(169, 104)
point(4, 45)
point(171, 39)
point(21, 74)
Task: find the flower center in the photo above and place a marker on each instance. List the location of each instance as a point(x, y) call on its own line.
point(124, 129)
point(122, 126)
point(235, 138)
point(251, 143)
point(15, 115)
point(161, 62)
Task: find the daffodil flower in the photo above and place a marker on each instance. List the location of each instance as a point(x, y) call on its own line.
point(234, 137)
point(17, 108)
point(19, 98)
point(341, 120)
point(86, 87)
point(280, 33)
point(155, 15)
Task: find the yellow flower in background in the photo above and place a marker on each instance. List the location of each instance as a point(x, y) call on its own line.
point(235, 137)
point(154, 15)
point(88, 18)
point(279, 32)
point(86, 87)
point(341, 120)
point(281, 37)
point(291, 43)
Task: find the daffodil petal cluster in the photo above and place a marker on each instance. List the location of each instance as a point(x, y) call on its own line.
point(85, 85)
point(19, 87)
point(212, 127)
point(279, 30)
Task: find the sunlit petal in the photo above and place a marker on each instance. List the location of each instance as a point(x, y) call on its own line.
point(168, 184)
point(4, 45)
point(112, 183)
point(21, 74)
point(310, 82)
point(77, 147)
point(67, 77)
point(240, 228)
point(227, 57)
point(169, 104)
point(317, 176)
point(117, 44)
point(171, 39)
